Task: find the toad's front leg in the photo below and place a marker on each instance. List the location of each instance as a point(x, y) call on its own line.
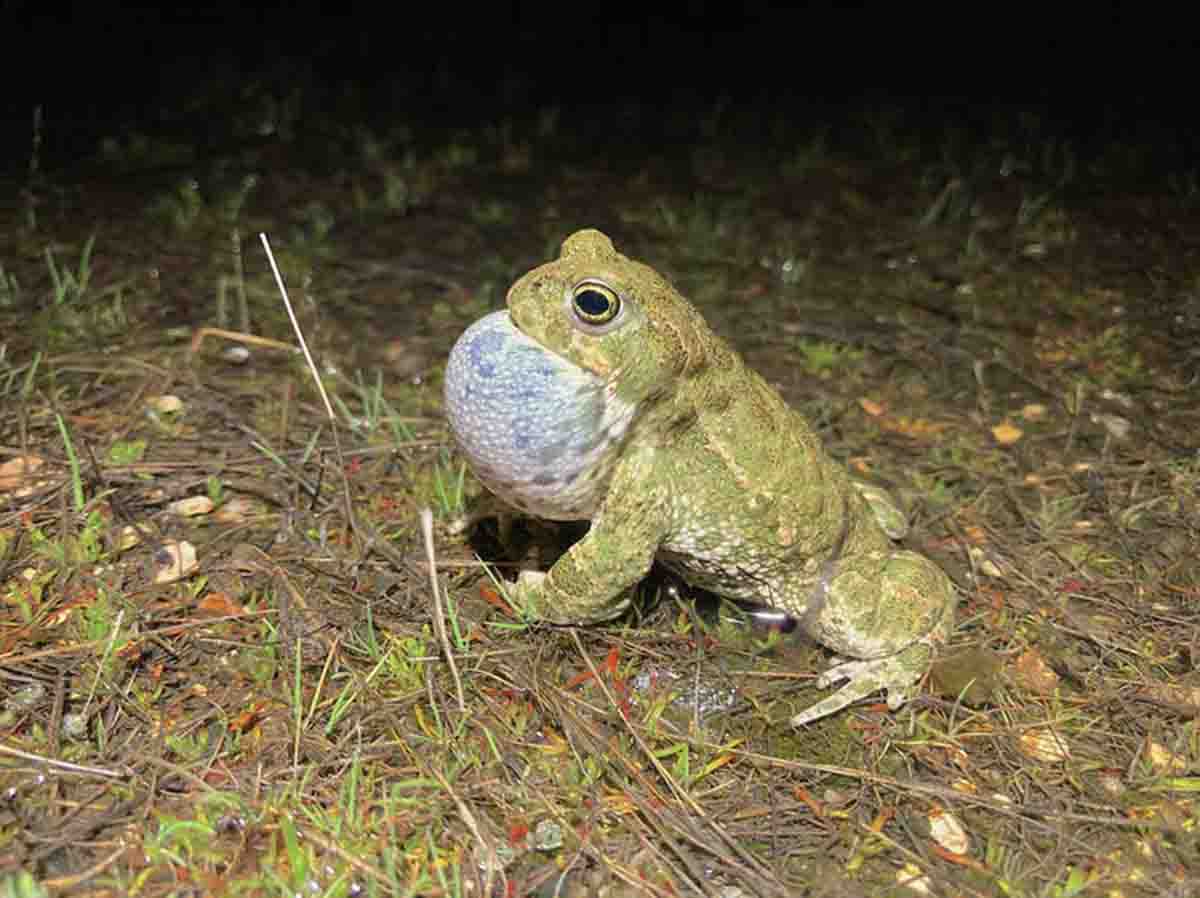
point(594, 580)
point(886, 610)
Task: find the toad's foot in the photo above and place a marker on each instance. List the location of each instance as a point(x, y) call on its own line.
point(896, 673)
point(536, 598)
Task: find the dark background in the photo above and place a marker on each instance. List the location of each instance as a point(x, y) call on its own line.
point(1101, 72)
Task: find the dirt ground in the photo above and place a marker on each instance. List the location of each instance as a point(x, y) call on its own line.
point(225, 668)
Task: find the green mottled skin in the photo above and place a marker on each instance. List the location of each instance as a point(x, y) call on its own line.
point(725, 483)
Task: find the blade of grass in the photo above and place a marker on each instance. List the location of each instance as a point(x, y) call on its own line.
point(73, 461)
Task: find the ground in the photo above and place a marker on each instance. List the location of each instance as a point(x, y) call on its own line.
point(252, 692)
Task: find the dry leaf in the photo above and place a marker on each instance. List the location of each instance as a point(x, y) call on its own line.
point(1163, 760)
point(218, 604)
point(130, 536)
point(18, 470)
point(165, 405)
point(917, 428)
point(249, 718)
point(1043, 744)
point(175, 560)
point(1006, 433)
point(911, 877)
point(191, 507)
point(975, 534)
point(1031, 671)
point(871, 407)
point(1117, 427)
point(983, 562)
point(1110, 781)
point(947, 831)
point(236, 509)
point(1034, 411)
point(1173, 694)
point(859, 465)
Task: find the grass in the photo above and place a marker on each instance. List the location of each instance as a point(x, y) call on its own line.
point(68, 286)
point(286, 718)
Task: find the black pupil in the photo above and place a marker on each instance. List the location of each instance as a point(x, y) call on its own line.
point(593, 303)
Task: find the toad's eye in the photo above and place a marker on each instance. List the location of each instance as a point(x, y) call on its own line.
point(595, 303)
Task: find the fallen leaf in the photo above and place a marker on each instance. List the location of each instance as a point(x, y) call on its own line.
point(1031, 671)
point(130, 536)
point(1006, 433)
point(859, 465)
point(493, 597)
point(975, 534)
point(133, 651)
point(219, 604)
point(249, 718)
point(165, 405)
point(1117, 427)
point(1043, 744)
point(983, 561)
point(963, 860)
point(236, 509)
point(1173, 694)
point(18, 471)
point(1110, 780)
point(175, 559)
point(911, 877)
point(871, 407)
point(917, 428)
point(947, 831)
point(191, 507)
point(1163, 760)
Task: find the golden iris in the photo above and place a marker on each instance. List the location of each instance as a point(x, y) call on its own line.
point(595, 303)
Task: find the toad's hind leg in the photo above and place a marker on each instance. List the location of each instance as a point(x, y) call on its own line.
point(887, 611)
